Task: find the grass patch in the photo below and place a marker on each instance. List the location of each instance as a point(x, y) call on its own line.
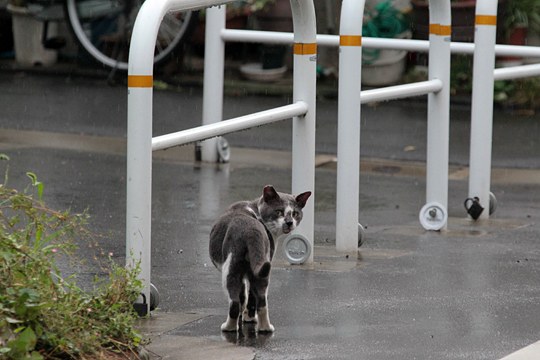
point(44, 315)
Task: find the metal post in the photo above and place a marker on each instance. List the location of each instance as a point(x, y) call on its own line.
point(482, 103)
point(214, 59)
point(304, 89)
point(438, 115)
point(348, 148)
point(139, 148)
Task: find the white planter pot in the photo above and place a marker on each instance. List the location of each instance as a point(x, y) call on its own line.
point(388, 68)
point(385, 71)
point(27, 39)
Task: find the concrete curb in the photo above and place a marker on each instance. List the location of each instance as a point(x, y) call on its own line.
point(164, 346)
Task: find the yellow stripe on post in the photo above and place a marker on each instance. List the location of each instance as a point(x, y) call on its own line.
point(486, 20)
point(438, 29)
point(350, 40)
point(305, 48)
point(140, 81)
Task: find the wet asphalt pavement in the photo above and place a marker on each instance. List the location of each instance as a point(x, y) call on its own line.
point(472, 292)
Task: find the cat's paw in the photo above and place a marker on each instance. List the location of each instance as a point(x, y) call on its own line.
point(266, 328)
point(264, 320)
point(248, 319)
point(230, 325)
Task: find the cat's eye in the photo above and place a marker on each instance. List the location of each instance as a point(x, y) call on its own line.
point(295, 214)
point(279, 212)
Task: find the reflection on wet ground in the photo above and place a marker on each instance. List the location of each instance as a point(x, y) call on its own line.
point(247, 335)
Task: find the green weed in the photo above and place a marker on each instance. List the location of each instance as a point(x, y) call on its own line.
point(44, 315)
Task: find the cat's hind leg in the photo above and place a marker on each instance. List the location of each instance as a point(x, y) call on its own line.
point(232, 319)
point(249, 314)
point(260, 289)
point(232, 284)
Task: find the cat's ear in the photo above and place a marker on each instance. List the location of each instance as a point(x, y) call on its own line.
point(303, 198)
point(270, 194)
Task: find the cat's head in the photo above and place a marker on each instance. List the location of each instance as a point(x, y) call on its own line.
point(281, 213)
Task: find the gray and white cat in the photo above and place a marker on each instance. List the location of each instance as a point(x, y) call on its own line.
point(242, 246)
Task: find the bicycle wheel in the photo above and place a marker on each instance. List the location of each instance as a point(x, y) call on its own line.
point(103, 29)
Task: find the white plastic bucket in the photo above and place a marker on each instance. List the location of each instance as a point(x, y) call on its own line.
point(27, 39)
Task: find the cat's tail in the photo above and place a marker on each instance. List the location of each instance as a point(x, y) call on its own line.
point(259, 256)
point(260, 265)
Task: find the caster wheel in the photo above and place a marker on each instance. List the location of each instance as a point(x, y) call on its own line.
point(154, 297)
point(141, 306)
point(433, 216)
point(492, 203)
point(297, 249)
point(361, 234)
point(223, 149)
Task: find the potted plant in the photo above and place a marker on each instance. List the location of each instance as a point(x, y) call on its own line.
point(273, 15)
point(384, 67)
point(28, 36)
point(269, 15)
point(520, 17)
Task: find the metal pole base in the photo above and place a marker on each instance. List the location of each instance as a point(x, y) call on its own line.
point(433, 216)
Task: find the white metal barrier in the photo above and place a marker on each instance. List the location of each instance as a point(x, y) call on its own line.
point(140, 140)
point(432, 216)
point(350, 98)
point(434, 213)
point(350, 42)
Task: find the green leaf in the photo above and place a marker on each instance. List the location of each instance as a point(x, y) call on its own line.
point(44, 312)
point(24, 343)
point(37, 184)
point(12, 320)
point(35, 356)
point(32, 177)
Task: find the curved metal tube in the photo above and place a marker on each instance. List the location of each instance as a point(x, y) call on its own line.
point(304, 89)
point(139, 152)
